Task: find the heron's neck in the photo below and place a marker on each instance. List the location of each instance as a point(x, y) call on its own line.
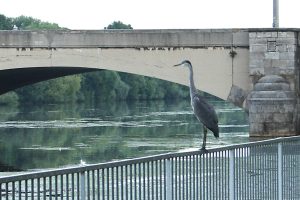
point(192, 84)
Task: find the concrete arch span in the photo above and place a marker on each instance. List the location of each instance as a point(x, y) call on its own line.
point(215, 70)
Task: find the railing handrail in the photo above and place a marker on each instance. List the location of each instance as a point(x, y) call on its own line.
point(165, 156)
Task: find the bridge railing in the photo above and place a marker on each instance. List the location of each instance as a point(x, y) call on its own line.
point(260, 170)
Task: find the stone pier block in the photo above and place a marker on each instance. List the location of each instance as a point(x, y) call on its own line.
point(271, 108)
point(274, 70)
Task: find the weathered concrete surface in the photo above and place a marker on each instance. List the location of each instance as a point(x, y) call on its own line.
point(125, 38)
point(144, 52)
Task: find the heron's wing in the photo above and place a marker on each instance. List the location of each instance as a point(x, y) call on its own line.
point(205, 113)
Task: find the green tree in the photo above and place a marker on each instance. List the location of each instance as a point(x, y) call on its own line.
point(10, 98)
point(63, 89)
point(6, 23)
point(59, 90)
point(118, 25)
point(174, 91)
point(104, 85)
point(29, 23)
point(136, 85)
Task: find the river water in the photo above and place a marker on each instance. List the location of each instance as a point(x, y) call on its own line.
point(51, 136)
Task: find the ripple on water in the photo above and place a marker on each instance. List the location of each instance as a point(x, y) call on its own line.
point(87, 122)
point(48, 148)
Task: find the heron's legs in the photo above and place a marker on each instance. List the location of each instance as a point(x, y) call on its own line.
point(204, 138)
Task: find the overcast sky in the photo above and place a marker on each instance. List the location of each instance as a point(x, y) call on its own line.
point(156, 14)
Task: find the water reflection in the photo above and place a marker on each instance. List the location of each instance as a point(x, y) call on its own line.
point(61, 135)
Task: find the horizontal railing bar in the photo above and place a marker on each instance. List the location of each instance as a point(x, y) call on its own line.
point(255, 143)
point(78, 169)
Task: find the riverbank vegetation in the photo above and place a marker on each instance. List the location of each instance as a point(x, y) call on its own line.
point(95, 86)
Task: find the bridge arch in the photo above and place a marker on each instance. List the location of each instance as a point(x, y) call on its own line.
point(12, 79)
point(219, 57)
point(213, 68)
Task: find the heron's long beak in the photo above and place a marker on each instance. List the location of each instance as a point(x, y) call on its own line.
point(177, 65)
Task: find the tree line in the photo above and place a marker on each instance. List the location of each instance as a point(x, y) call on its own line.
point(95, 86)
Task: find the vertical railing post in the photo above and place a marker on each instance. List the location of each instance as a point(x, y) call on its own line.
point(82, 185)
point(168, 180)
point(231, 174)
point(280, 171)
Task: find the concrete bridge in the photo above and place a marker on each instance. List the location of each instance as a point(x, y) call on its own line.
point(254, 69)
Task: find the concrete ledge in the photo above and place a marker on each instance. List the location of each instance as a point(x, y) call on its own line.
point(125, 38)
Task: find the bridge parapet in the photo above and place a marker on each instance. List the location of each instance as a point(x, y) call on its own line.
point(125, 38)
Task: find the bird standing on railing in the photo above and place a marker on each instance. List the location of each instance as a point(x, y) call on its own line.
point(203, 111)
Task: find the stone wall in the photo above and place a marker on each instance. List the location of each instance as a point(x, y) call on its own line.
point(273, 52)
point(272, 107)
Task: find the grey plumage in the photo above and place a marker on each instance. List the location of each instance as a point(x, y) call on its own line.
point(206, 114)
point(203, 111)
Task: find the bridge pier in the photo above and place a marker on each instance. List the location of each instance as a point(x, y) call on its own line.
point(274, 101)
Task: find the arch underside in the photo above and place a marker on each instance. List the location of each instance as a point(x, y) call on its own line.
point(12, 79)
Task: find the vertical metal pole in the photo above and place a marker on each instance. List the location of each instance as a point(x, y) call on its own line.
point(1, 191)
point(280, 172)
point(20, 189)
point(13, 190)
point(61, 186)
point(231, 174)
point(275, 13)
point(168, 179)
point(202, 175)
point(82, 185)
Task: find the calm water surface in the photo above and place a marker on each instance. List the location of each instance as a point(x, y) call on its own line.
point(53, 136)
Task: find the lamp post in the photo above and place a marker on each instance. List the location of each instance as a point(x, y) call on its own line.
point(275, 13)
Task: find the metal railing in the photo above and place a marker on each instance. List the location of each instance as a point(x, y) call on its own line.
point(260, 170)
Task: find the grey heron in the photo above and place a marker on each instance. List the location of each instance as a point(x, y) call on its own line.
point(204, 112)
